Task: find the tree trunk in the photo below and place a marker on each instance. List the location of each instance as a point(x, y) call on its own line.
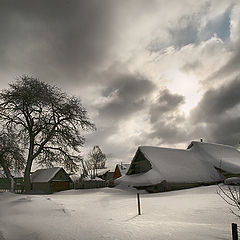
point(8, 174)
point(27, 181)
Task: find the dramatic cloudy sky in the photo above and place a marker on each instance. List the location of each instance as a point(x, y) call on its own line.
point(149, 72)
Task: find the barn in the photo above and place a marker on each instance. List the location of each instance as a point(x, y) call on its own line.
point(157, 169)
point(50, 180)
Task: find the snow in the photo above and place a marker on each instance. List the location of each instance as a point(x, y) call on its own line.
point(197, 164)
point(111, 213)
point(44, 175)
point(221, 156)
point(123, 168)
point(174, 166)
point(75, 177)
point(177, 165)
point(142, 179)
point(102, 171)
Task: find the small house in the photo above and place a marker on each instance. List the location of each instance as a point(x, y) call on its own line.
point(120, 170)
point(105, 174)
point(50, 180)
point(157, 169)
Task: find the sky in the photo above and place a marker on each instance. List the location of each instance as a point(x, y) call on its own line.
point(149, 72)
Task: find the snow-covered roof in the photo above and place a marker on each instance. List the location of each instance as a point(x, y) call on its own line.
point(142, 179)
point(221, 156)
point(101, 171)
point(88, 178)
point(123, 167)
point(75, 177)
point(232, 181)
point(197, 164)
point(44, 175)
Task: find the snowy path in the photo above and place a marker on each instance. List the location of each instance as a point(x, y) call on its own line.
point(112, 214)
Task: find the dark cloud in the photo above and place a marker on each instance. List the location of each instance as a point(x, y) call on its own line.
point(128, 94)
point(229, 68)
point(166, 102)
point(169, 134)
point(218, 112)
point(58, 37)
point(166, 118)
point(86, 45)
point(216, 102)
point(226, 131)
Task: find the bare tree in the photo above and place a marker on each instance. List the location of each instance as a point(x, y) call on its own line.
point(230, 193)
point(49, 121)
point(97, 160)
point(11, 156)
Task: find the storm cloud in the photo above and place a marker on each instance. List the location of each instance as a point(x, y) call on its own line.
point(216, 102)
point(61, 39)
point(219, 112)
point(148, 72)
point(128, 94)
point(166, 103)
point(166, 118)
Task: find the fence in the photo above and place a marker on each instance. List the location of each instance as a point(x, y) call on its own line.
point(90, 184)
point(5, 185)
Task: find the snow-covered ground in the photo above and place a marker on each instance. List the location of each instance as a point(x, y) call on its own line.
point(197, 213)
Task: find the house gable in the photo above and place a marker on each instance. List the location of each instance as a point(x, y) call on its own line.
point(140, 164)
point(61, 175)
point(117, 172)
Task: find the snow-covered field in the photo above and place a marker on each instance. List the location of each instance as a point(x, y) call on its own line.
point(197, 213)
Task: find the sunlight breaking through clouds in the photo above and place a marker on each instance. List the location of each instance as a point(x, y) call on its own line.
point(119, 56)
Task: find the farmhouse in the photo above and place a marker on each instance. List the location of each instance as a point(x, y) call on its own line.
point(50, 180)
point(225, 159)
point(162, 169)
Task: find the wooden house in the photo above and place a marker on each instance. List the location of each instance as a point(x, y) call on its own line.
point(50, 180)
point(157, 169)
point(120, 170)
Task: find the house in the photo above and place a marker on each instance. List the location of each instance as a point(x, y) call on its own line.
point(157, 169)
point(105, 174)
point(120, 170)
point(223, 157)
point(50, 180)
point(5, 183)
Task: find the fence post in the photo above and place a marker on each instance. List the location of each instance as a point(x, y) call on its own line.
point(234, 231)
point(138, 200)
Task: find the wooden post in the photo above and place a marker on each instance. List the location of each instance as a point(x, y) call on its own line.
point(139, 208)
point(234, 231)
